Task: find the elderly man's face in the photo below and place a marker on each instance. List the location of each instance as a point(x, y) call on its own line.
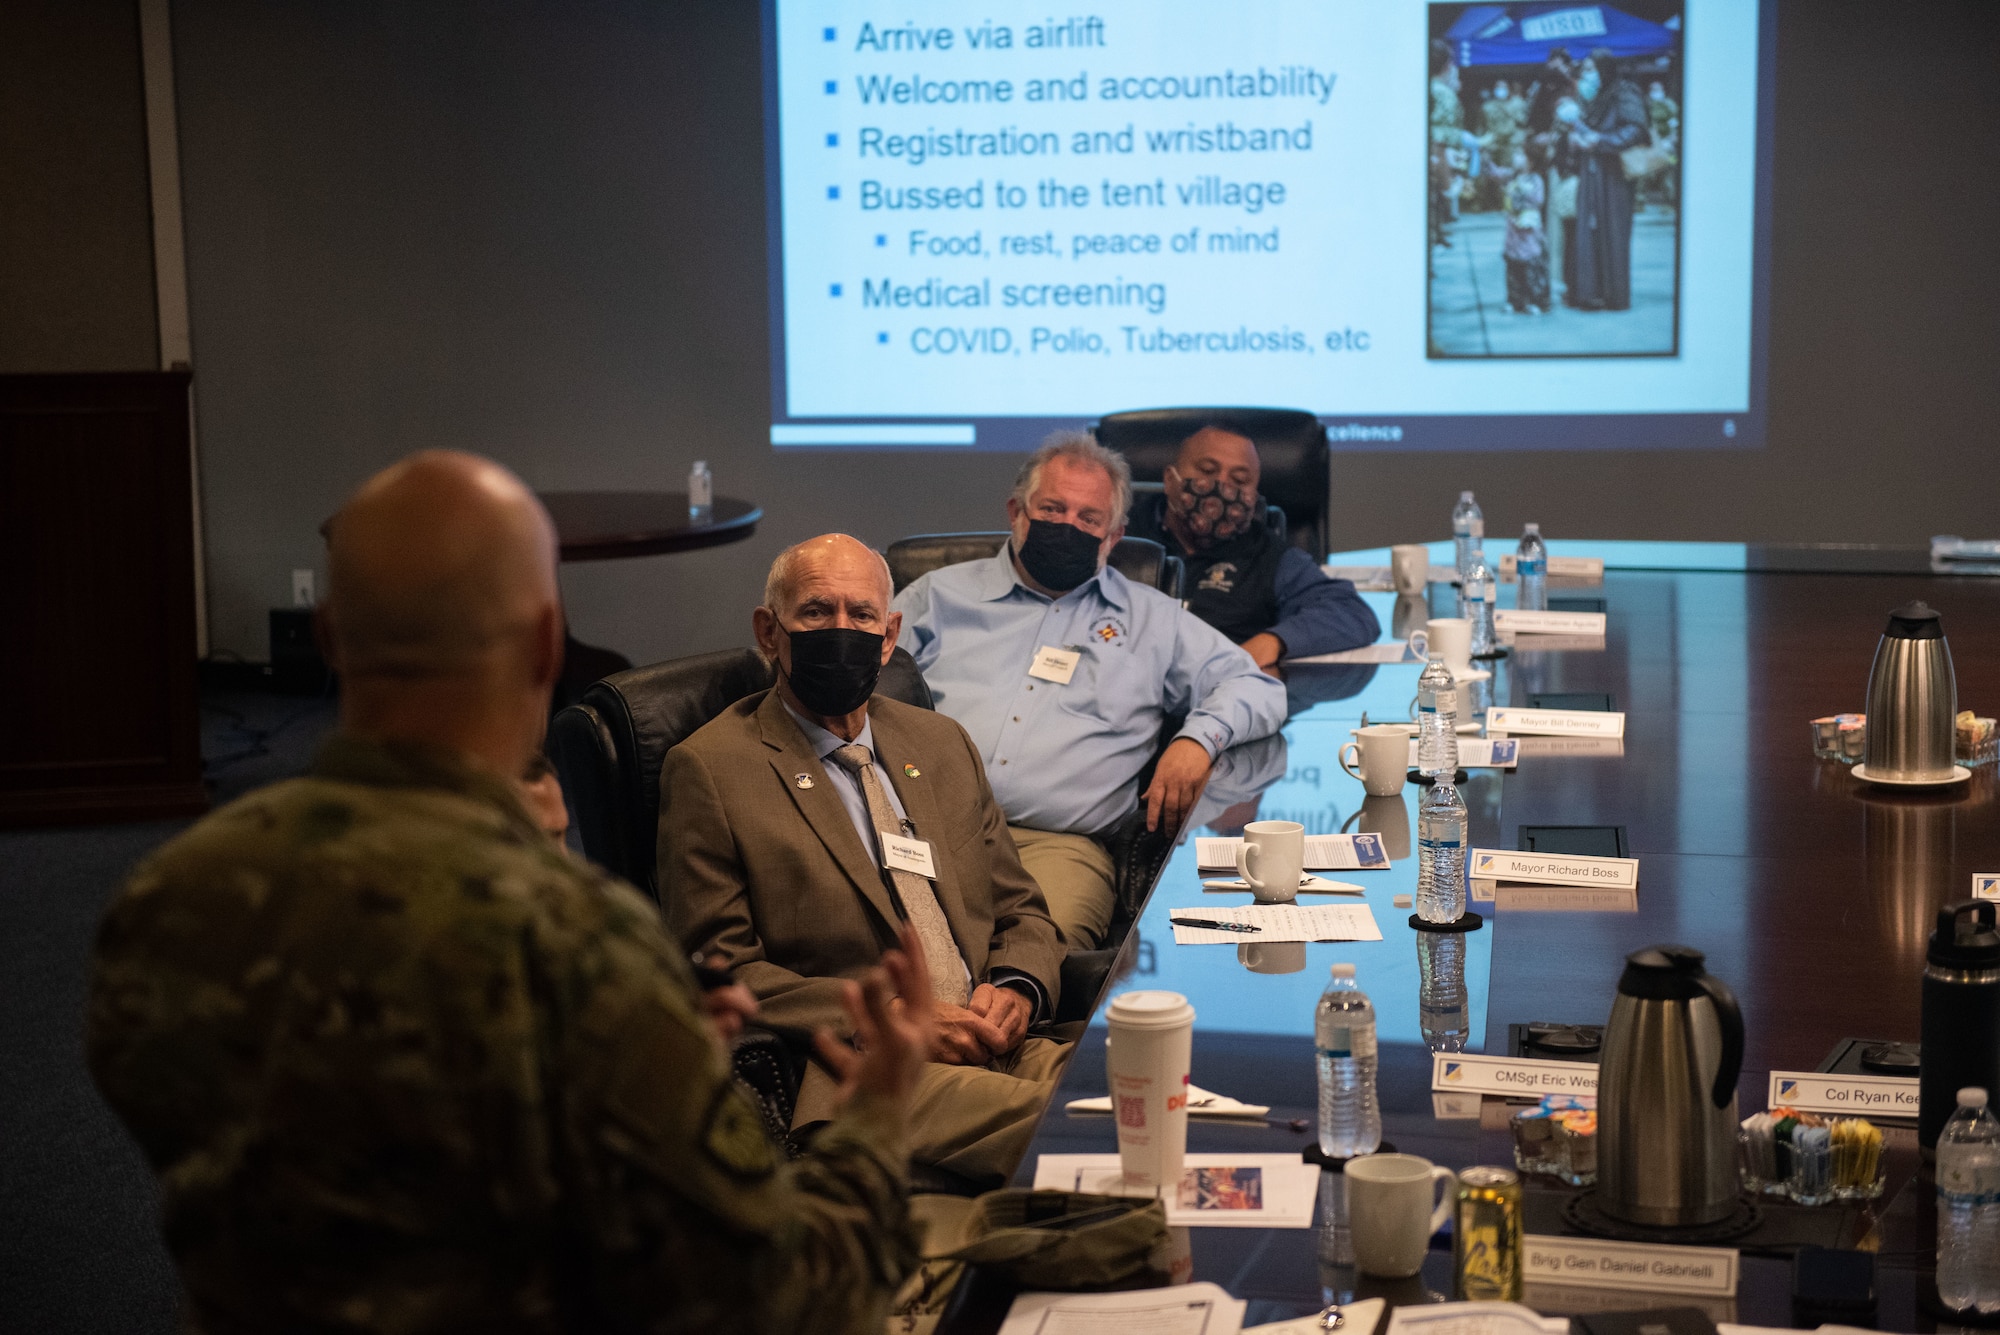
point(840, 586)
point(1075, 493)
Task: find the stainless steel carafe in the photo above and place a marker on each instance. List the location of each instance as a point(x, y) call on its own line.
point(1912, 697)
point(1666, 1093)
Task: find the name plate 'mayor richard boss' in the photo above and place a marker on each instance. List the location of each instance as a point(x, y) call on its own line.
point(1498, 864)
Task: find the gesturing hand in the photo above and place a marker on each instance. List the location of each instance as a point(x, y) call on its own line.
point(1177, 781)
point(894, 1027)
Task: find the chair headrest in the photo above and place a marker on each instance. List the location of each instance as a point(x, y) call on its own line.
point(1140, 560)
point(1291, 445)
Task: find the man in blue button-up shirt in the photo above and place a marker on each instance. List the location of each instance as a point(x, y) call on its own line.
point(1062, 671)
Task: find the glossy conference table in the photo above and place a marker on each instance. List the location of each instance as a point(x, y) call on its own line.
point(1811, 893)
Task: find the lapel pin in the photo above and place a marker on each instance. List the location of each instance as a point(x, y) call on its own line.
point(913, 771)
point(803, 780)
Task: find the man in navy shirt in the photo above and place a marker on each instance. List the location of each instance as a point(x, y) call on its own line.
point(1244, 580)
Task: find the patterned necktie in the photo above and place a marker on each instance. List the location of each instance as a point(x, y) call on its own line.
point(920, 902)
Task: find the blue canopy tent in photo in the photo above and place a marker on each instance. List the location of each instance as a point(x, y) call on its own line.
point(1526, 34)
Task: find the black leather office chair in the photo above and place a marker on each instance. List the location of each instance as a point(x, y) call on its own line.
point(1291, 445)
point(1140, 560)
point(1137, 855)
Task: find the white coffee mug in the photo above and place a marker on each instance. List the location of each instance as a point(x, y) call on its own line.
point(1391, 1212)
point(1381, 758)
point(1147, 1056)
point(1449, 638)
point(1410, 567)
point(1272, 859)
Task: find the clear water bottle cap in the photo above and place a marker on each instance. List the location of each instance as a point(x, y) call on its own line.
point(1972, 1096)
point(1465, 495)
point(1532, 528)
point(701, 463)
point(1347, 971)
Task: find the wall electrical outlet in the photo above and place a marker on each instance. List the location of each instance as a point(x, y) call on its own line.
point(303, 592)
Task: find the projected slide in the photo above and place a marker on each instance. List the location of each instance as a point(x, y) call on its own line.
point(1436, 225)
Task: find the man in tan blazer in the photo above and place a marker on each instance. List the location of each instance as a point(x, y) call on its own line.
point(801, 827)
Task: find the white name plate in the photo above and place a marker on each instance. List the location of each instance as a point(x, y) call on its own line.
point(1560, 567)
point(1983, 886)
point(1555, 722)
point(1644, 1266)
point(1548, 623)
point(1493, 864)
point(1848, 1095)
point(1481, 752)
point(1468, 1073)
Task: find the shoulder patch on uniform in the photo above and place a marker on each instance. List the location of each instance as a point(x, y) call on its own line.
point(735, 1135)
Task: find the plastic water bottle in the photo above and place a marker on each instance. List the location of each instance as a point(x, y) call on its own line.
point(1475, 604)
point(1531, 567)
point(1441, 853)
point(1468, 530)
point(701, 493)
point(1437, 720)
point(1968, 1219)
point(1444, 1015)
point(1350, 1117)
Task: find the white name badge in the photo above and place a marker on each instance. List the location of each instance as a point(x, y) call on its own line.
point(1056, 665)
point(1555, 722)
point(1642, 1266)
point(901, 853)
point(1560, 567)
point(1985, 887)
point(1467, 1073)
point(1848, 1095)
point(1493, 864)
point(1548, 623)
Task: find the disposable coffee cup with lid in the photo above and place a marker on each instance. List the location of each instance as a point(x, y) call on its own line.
point(1147, 1055)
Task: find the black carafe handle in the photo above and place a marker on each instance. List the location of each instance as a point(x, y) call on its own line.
point(1730, 1015)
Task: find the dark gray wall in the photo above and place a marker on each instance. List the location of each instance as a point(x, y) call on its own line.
point(536, 229)
point(76, 217)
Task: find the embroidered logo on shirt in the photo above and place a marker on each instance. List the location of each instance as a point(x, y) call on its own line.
point(913, 771)
point(1107, 630)
point(1221, 578)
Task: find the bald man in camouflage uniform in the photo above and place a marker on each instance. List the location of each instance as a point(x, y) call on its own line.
point(403, 1065)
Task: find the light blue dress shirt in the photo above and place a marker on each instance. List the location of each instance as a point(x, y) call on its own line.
point(1067, 758)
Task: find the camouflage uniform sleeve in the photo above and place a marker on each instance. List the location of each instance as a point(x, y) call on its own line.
point(690, 1208)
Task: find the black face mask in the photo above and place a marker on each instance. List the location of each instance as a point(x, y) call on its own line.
point(1058, 556)
point(834, 670)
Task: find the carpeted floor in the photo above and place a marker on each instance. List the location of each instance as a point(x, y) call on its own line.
point(79, 1242)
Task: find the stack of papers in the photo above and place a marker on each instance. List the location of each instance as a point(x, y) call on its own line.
point(1181, 1309)
point(1279, 922)
point(1324, 852)
point(1215, 1191)
point(1308, 885)
point(1200, 1103)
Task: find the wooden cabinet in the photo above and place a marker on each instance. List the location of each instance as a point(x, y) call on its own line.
point(99, 707)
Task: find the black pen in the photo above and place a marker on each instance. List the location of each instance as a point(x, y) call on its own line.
point(1214, 925)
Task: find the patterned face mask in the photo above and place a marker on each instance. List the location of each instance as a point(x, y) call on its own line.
point(1210, 509)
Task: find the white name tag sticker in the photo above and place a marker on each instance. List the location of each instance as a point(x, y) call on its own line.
point(1641, 1266)
point(1466, 1073)
point(1056, 665)
point(1548, 623)
point(1848, 1095)
point(901, 853)
point(1985, 886)
point(1494, 864)
point(1555, 722)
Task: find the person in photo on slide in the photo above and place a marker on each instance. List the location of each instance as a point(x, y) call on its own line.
point(1243, 579)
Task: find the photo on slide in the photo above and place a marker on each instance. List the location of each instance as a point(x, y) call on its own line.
point(1554, 178)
